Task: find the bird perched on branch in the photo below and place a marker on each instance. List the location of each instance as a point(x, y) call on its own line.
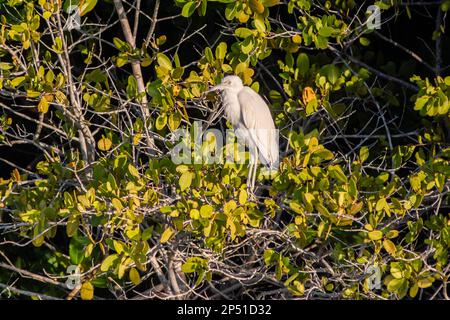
point(250, 117)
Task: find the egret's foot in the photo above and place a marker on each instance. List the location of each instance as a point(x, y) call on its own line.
point(251, 194)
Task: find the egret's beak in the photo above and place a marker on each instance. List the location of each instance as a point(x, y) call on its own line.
point(216, 88)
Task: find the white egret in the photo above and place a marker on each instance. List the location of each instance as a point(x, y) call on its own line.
point(250, 117)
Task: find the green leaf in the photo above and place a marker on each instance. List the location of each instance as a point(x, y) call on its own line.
point(118, 246)
point(177, 73)
point(247, 46)
point(243, 32)
point(117, 204)
point(270, 3)
point(132, 90)
point(6, 66)
point(221, 51)
point(164, 61)
point(76, 250)
point(147, 233)
point(203, 8)
point(324, 154)
point(326, 31)
point(121, 45)
point(303, 63)
point(209, 55)
point(396, 285)
point(87, 6)
point(331, 72)
point(363, 154)
point(447, 79)
point(188, 9)
point(364, 41)
point(337, 173)
point(133, 232)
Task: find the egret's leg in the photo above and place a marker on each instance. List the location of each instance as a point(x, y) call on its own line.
point(250, 172)
point(255, 168)
point(249, 177)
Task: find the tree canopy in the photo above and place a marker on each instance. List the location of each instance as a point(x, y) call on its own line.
point(92, 93)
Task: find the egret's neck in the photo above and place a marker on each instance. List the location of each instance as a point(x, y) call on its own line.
point(231, 106)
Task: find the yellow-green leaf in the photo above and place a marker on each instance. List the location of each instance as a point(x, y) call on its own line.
point(375, 235)
point(87, 6)
point(87, 291)
point(72, 226)
point(243, 197)
point(413, 290)
point(194, 214)
point(17, 81)
point(185, 180)
point(188, 9)
point(117, 204)
point(108, 262)
point(47, 15)
point(221, 50)
point(174, 121)
point(167, 234)
point(381, 204)
point(164, 61)
point(134, 276)
point(256, 6)
point(133, 171)
point(32, 94)
point(270, 3)
point(363, 154)
point(206, 211)
point(392, 234)
point(389, 246)
point(104, 144)
point(161, 122)
point(425, 283)
point(43, 105)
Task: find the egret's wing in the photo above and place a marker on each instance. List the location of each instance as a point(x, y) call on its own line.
point(258, 120)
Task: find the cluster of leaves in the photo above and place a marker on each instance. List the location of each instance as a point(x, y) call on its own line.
point(357, 186)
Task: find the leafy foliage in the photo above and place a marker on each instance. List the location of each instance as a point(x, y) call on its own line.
point(363, 181)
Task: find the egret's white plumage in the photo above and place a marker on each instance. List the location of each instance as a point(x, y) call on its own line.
point(250, 117)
